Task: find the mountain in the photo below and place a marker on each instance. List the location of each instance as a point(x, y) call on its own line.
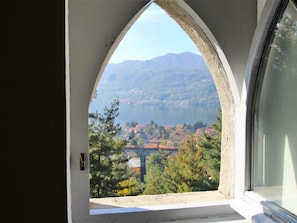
point(173, 79)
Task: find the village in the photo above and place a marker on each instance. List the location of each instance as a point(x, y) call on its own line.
point(163, 137)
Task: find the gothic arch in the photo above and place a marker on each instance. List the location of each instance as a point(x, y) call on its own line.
point(221, 72)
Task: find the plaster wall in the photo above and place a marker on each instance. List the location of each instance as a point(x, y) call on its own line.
point(93, 29)
point(260, 6)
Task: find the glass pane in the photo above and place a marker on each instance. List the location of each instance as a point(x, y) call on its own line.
point(275, 118)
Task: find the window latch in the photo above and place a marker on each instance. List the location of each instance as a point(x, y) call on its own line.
point(82, 161)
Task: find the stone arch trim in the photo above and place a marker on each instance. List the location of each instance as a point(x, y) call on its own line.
point(219, 69)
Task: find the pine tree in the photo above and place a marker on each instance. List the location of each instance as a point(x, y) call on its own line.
point(131, 187)
point(211, 145)
point(186, 171)
point(153, 177)
point(108, 162)
point(196, 166)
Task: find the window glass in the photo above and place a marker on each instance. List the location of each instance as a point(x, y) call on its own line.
point(274, 174)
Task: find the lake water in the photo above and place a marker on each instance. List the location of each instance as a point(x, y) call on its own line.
point(161, 114)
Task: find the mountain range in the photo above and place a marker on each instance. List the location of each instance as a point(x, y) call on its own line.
point(173, 79)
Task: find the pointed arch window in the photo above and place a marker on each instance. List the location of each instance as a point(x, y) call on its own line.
point(184, 73)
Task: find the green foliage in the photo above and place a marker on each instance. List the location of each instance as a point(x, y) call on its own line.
point(130, 187)
point(162, 133)
point(132, 135)
point(195, 126)
point(187, 171)
point(153, 177)
point(108, 162)
point(212, 147)
point(196, 166)
point(132, 124)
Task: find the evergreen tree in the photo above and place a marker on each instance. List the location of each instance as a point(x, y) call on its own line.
point(130, 187)
point(196, 166)
point(108, 162)
point(186, 171)
point(211, 145)
point(153, 177)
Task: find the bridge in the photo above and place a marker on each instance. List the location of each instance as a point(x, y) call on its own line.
point(146, 150)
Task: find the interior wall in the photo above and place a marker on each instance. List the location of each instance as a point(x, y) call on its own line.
point(260, 6)
point(233, 24)
point(94, 27)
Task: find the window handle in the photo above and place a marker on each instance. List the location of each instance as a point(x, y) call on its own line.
point(82, 161)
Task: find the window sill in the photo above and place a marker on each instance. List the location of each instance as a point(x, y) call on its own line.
point(155, 200)
point(256, 209)
point(211, 207)
point(248, 205)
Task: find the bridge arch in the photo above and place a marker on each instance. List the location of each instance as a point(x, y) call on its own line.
point(144, 153)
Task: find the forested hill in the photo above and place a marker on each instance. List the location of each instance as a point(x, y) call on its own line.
point(175, 79)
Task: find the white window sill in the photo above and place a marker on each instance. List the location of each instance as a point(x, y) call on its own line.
point(156, 200)
point(223, 205)
point(248, 205)
point(199, 211)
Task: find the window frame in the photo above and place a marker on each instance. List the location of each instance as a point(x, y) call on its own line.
point(78, 209)
point(219, 210)
point(270, 210)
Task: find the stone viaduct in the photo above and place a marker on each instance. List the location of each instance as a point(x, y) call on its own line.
point(144, 151)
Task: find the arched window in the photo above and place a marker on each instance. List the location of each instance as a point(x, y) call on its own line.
point(84, 68)
point(173, 89)
point(273, 119)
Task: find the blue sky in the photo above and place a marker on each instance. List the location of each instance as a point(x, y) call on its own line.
point(153, 34)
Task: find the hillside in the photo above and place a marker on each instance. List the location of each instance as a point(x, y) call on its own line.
point(174, 79)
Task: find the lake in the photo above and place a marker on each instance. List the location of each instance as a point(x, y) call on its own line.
point(160, 114)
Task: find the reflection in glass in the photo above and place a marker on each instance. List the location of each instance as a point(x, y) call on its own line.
point(275, 117)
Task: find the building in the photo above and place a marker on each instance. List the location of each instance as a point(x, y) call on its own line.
point(48, 83)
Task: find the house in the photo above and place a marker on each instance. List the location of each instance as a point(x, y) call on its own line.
point(48, 82)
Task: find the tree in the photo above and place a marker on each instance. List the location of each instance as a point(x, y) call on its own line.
point(132, 186)
point(211, 145)
point(186, 171)
point(108, 162)
point(196, 166)
point(153, 178)
point(132, 135)
point(199, 124)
